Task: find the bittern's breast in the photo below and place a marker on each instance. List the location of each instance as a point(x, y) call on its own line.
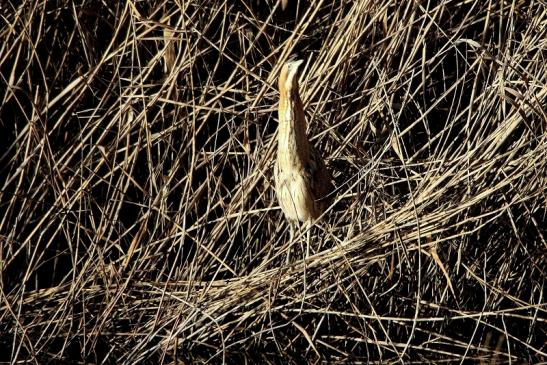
point(294, 194)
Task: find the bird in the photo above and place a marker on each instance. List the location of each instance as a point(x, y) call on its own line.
point(302, 181)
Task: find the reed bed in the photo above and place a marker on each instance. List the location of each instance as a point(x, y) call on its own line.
point(138, 216)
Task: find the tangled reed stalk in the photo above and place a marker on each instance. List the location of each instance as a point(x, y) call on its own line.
point(138, 217)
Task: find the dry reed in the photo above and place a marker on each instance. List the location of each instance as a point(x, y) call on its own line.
point(138, 221)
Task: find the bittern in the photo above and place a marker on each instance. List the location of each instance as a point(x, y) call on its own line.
point(302, 181)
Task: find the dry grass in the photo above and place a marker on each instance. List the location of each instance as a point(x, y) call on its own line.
point(139, 220)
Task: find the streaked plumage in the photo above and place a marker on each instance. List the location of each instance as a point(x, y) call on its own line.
point(301, 179)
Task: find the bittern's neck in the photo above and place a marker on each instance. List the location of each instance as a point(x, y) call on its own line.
point(293, 145)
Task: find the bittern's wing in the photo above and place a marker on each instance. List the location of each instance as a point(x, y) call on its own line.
point(321, 180)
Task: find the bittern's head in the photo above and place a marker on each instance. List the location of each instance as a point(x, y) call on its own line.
point(288, 79)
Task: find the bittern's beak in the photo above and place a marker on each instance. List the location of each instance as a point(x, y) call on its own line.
point(293, 68)
point(294, 63)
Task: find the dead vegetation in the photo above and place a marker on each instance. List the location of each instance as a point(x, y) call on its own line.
point(138, 217)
